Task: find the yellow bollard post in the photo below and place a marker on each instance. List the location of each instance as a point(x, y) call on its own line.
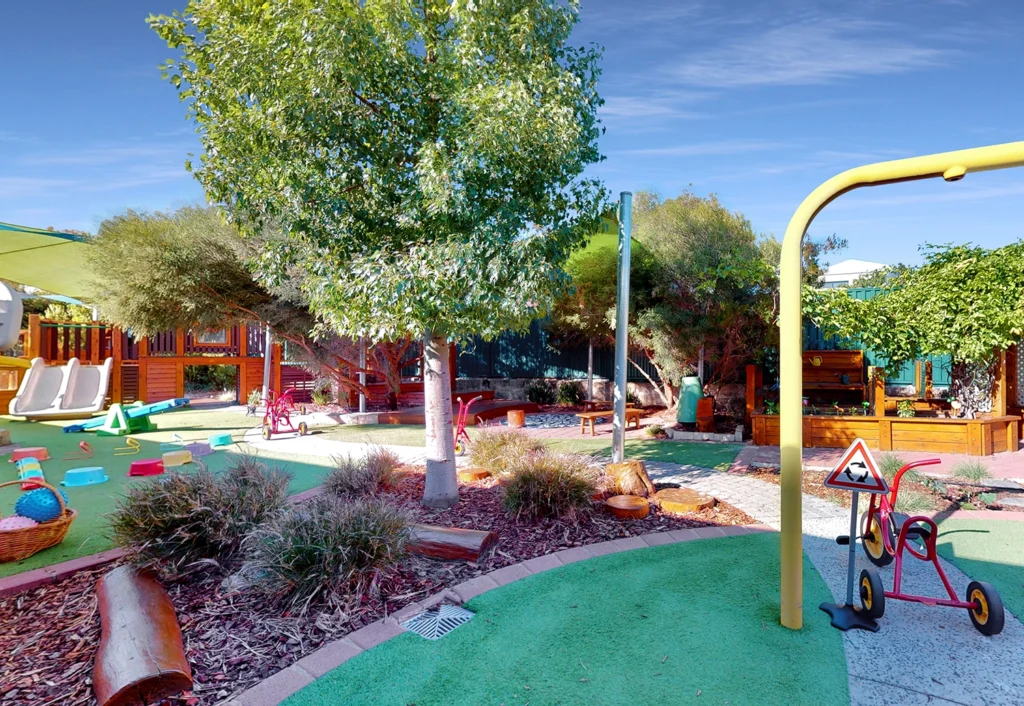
point(951, 166)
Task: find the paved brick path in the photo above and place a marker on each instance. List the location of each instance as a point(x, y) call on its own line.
point(921, 654)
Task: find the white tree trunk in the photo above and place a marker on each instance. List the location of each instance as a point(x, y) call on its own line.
point(441, 488)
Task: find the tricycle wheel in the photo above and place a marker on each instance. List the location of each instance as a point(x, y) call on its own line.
point(987, 613)
point(874, 543)
point(267, 432)
point(872, 594)
point(460, 448)
point(303, 429)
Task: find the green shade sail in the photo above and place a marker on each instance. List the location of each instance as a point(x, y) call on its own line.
point(44, 259)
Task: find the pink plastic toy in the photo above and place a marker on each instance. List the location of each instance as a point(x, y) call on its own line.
point(16, 522)
point(40, 453)
point(147, 467)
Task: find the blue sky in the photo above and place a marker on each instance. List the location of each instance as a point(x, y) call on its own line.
point(757, 101)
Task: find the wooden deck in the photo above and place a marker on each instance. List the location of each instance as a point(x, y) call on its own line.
point(974, 437)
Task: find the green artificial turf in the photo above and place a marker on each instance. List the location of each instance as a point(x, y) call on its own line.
point(88, 532)
point(705, 455)
point(988, 550)
point(392, 434)
point(695, 622)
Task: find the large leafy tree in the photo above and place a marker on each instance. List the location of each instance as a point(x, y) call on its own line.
point(425, 158)
point(964, 301)
point(190, 268)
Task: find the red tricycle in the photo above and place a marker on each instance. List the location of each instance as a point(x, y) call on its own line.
point(887, 534)
point(461, 437)
point(277, 419)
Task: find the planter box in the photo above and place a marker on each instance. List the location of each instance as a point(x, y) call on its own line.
point(975, 437)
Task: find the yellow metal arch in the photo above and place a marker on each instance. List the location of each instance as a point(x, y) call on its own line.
point(951, 166)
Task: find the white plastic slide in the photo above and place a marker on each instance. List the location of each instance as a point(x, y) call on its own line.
point(50, 392)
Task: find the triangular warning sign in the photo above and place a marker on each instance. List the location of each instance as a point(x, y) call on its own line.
point(856, 470)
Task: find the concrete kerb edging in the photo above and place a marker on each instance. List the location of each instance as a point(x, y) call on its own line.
point(280, 686)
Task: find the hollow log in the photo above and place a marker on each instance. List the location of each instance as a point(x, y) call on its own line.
point(452, 543)
point(630, 478)
point(140, 659)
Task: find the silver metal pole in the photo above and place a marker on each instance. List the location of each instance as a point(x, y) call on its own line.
point(621, 328)
point(853, 550)
point(362, 376)
point(590, 370)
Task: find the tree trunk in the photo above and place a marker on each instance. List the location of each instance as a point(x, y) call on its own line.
point(441, 488)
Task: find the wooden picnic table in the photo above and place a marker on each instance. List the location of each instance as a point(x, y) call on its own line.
point(599, 405)
point(632, 415)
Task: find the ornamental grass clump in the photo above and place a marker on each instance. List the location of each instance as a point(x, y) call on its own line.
point(550, 486)
point(496, 450)
point(973, 471)
point(355, 477)
point(183, 521)
point(327, 550)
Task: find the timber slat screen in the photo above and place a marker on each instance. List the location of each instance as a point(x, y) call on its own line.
point(59, 342)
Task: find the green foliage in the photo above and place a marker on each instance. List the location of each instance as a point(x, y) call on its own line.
point(550, 486)
point(905, 408)
point(496, 449)
point(881, 277)
point(425, 159)
point(971, 470)
point(326, 551)
point(654, 431)
point(571, 392)
point(911, 502)
point(541, 392)
point(889, 465)
point(321, 394)
point(211, 377)
point(60, 311)
point(987, 498)
point(255, 397)
point(182, 521)
point(632, 397)
point(366, 475)
point(964, 301)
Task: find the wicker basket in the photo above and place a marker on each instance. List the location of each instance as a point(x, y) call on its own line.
point(23, 543)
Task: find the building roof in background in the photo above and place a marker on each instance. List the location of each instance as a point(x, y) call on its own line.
point(853, 267)
point(45, 259)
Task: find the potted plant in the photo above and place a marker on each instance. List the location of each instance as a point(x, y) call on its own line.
point(905, 408)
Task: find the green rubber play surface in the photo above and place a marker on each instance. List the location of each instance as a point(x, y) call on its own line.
point(988, 550)
point(88, 533)
point(695, 622)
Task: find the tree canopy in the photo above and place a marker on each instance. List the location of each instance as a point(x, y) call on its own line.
point(964, 301)
point(424, 160)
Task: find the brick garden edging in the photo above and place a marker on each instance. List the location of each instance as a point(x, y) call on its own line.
point(280, 686)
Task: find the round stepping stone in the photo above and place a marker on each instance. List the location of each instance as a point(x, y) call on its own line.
point(680, 501)
point(628, 507)
point(469, 475)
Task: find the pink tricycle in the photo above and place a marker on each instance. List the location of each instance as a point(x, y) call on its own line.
point(887, 534)
point(461, 437)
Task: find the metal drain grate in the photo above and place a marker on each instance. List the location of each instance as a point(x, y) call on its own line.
point(437, 622)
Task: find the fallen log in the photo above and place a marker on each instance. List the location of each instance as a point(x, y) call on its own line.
point(451, 542)
point(140, 659)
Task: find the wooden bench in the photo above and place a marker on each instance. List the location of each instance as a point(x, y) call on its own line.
point(602, 405)
point(632, 415)
point(826, 370)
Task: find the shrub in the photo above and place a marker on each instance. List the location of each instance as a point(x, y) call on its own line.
point(905, 408)
point(654, 430)
point(495, 450)
point(550, 485)
point(971, 470)
point(362, 476)
point(541, 392)
point(326, 549)
point(632, 397)
point(321, 394)
point(184, 520)
point(909, 502)
point(571, 392)
point(889, 465)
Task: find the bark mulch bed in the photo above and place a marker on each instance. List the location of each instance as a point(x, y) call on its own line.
point(954, 496)
point(48, 636)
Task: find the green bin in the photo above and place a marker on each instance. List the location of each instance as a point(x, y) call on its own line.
point(689, 392)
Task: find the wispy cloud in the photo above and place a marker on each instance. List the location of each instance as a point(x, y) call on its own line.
point(708, 148)
point(806, 53)
point(106, 155)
